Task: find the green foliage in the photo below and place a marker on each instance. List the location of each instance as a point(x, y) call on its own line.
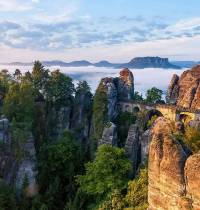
point(19, 102)
point(138, 97)
point(100, 111)
point(134, 199)
point(108, 171)
point(151, 121)
point(191, 137)
point(82, 87)
point(17, 75)
point(154, 95)
point(5, 80)
point(58, 164)
point(39, 76)
point(7, 197)
point(59, 89)
point(123, 121)
point(20, 133)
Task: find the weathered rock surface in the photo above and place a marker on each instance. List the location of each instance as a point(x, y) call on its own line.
point(14, 171)
point(125, 85)
point(145, 142)
point(109, 135)
point(173, 174)
point(81, 115)
point(173, 90)
point(192, 177)
point(112, 97)
point(118, 89)
point(185, 91)
point(26, 169)
point(132, 146)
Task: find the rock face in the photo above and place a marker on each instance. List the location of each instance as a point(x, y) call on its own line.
point(192, 177)
point(173, 90)
point(26, 169)
point(81, 115)
point(126, 85)
point(173, 173)
point(112, 97)
point(14, 171)
point(109, 135)
point(185, 91)
point(145, 142)
point(150, 62)
point(118, 89)
point(132, 146)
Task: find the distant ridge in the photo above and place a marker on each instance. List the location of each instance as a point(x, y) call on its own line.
point(135, 63)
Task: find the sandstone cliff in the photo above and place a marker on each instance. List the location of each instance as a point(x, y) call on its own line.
point(173, 173)
point(185, 91)
point(119, 88)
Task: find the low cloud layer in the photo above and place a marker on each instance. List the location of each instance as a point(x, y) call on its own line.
point(144, 78)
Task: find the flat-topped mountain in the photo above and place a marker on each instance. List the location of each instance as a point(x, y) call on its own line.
point(135, 63)
point(150, 62)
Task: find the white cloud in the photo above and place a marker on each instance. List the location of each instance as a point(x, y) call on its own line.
point(186, 24)
point(13, 5)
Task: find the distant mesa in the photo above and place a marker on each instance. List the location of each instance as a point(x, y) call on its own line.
point(150, 62)
point(135, 63)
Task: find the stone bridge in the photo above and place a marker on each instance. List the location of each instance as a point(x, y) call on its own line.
point(168, 111)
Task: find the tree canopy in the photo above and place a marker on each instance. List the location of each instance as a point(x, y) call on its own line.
point(154, 95)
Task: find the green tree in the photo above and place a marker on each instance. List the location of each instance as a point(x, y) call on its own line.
point(137, 193)
point(100, 110)
point(138, 97)
point(40, 76)
point(58, 164)
point(108, 171)
point(19, 102)
point(59, 89)
point(7, 197)
point(135, 198)
point(17, 75)
point(82, 87)
point(5, 80)
point(154, 95)
point(123, 121)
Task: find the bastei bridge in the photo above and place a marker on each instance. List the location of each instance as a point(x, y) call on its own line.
point(171, 112)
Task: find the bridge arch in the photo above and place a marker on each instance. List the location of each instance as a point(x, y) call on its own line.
point(186, 117)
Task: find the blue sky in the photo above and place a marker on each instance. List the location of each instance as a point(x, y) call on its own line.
point(117, 30)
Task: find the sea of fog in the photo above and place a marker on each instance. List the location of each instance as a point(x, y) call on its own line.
point(144, 78)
